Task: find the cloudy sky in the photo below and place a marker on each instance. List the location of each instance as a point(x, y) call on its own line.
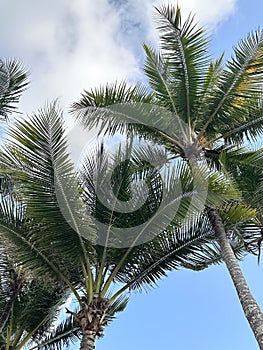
point(72, 45)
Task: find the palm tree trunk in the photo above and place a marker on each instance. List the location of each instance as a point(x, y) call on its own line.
point(249, 304)
point(92, 319)
point(88, 340)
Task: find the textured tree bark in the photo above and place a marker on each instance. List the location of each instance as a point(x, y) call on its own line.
point(249, 304)
point(92, 319)
point(88, 340)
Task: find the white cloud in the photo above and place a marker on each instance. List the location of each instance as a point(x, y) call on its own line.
point(72, 45)
point(208, 12)
point(67, 45)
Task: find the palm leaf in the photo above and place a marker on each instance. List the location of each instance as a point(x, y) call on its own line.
point(38, 160)
point(13, 82)
point(159, 76)
point(111, 94)
point(192, 246)
point(238, 84)
point(64, 334)
point(185, 47)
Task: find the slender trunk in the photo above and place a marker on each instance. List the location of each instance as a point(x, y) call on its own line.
point(88, 340)
point(8, 307)
point(249, 304)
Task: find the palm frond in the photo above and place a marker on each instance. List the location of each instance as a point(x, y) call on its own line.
point(39, 162)
point(13, 82)
point(16, 237)
point(190, 246)
point(185, 46)
point(159, 77)
point(64, 334)
point(245, 167)
point(34, 302)
point(6, 185)
point(110, 95)
point(238, 84)
point(38, 307)
point(167, 194)
point(117, 305)
point(209, 87)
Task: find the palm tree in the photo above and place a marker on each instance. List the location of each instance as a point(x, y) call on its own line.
point(214, 106)
point(60, 237)
point(29, 307)
point(30, 303)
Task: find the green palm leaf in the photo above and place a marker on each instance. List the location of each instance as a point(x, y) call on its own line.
point(239, 83)
point(185, 47)
point(38, 159)
point(112, 94)
point(64, 334)
point(158, 72)
point(13, 82)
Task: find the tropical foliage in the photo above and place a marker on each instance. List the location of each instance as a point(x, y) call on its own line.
point(29, 306)
point(215, 105)
point(58, 225)
point(54, 233)
point(13, 82)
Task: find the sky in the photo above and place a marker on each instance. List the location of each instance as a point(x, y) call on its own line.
point(69, 46)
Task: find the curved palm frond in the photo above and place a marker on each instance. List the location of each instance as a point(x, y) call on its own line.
point(164, 221)
point(185, 46)
point(19, 238)
point(64, 334)
point(30, 301)
point(36, 310)
point(112, 94)
point(158, 73)
point(38, 160)
point(235, 103)
point(192, 246)
point(245, 167)
point(13, 82)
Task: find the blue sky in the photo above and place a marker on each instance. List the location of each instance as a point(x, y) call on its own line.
point(72, 45)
